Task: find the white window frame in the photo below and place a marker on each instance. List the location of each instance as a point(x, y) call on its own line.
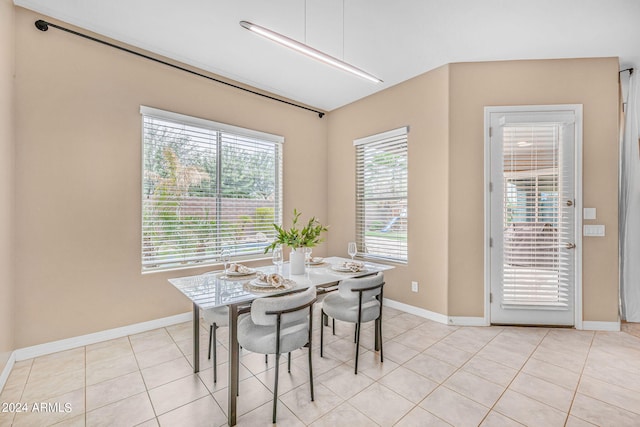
point(193, 260)
point(394, 141)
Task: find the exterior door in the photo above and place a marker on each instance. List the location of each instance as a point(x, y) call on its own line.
point(532, 205)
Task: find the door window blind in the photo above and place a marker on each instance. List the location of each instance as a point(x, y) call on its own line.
point(536, 229)
point(381, 195)
point(206, 187)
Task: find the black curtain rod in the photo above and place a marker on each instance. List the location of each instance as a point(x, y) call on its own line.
point(44, 26)
point(630, 70)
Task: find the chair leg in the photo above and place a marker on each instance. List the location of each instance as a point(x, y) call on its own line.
point(210, 341)
point(215, 352)
point(357, 346)
point(323, 317)
point(266, 359)
point(376, 341)
point(275, 389)
point(238, 373)
point(381, 300)
point(310, 372)
point(289, 362)
point(334, 326)
point(380, 338)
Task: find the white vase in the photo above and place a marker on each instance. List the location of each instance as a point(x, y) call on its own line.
point(296, 261)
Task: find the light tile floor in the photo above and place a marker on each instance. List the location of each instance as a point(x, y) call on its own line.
point(433, 375)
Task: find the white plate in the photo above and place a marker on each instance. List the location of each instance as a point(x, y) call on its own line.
point(343, 269)
point(260, 284)
point(238, 273)
point(316, 262)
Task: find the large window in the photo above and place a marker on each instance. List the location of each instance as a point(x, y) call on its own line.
point(381, 195)
point(206, 187)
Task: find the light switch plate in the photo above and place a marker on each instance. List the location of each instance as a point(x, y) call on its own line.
point(593, 230)
point(589, 213)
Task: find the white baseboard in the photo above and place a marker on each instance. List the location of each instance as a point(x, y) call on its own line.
point(436, 317)
point(601, 326)
point(7, 370)
point(431, 315)
point(467, 321)
point(481, 321)
point(80, 341)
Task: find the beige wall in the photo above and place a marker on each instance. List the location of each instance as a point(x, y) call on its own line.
point(78, 178)
point(422, 104)
point(6, 179)
point(445, 109)
point(591, 82)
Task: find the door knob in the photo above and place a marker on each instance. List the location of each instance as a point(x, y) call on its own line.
point(571, 245)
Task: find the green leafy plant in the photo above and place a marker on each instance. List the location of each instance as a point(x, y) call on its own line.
point(308, 236)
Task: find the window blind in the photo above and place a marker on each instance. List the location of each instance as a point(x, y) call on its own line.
point(381, 195)
point(536, 228)
point(206, 187)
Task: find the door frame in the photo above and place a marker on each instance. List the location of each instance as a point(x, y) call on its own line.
point(577, 109)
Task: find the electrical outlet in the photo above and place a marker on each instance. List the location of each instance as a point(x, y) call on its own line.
point(414, 286)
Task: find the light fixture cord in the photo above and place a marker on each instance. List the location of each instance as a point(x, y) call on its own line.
point(343, 30)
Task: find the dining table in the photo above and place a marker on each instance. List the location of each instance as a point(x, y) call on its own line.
point(237, 290)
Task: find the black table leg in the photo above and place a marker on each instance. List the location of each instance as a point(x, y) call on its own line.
point(234, 362)
point(196, 338)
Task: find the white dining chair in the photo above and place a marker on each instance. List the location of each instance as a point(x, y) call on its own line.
point(215, 317)
point(277, 325)
point(358, 301)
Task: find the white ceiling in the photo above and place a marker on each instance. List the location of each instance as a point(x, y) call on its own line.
point(394, 40)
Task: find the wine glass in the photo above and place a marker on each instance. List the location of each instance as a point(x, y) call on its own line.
point(225, 257)
point(307, 255)
point(277, 258)
point(352, 249)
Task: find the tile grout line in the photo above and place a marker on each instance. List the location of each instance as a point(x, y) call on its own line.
point(600, 400)
point(153, 408)
point(113, 379)
point(417, 405)
point(491, 409)
point(343, 401)
point(540, 343)
point(321, 325)
point(24, 386)
point(458, 369)
point(193, 374)
point(575, 393)
point(476, 354)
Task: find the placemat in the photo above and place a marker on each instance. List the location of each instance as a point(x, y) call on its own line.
point(236, 277)
point(288, 284)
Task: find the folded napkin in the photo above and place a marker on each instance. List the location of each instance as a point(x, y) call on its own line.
point(275, 280)
point(354, 266)
point(238, 268)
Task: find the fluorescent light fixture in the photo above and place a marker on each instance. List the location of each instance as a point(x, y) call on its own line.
point(309, 51)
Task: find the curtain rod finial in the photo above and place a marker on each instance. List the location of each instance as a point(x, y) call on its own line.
point(42, 25)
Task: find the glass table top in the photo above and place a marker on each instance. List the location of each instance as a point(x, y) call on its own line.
point(215, 289)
